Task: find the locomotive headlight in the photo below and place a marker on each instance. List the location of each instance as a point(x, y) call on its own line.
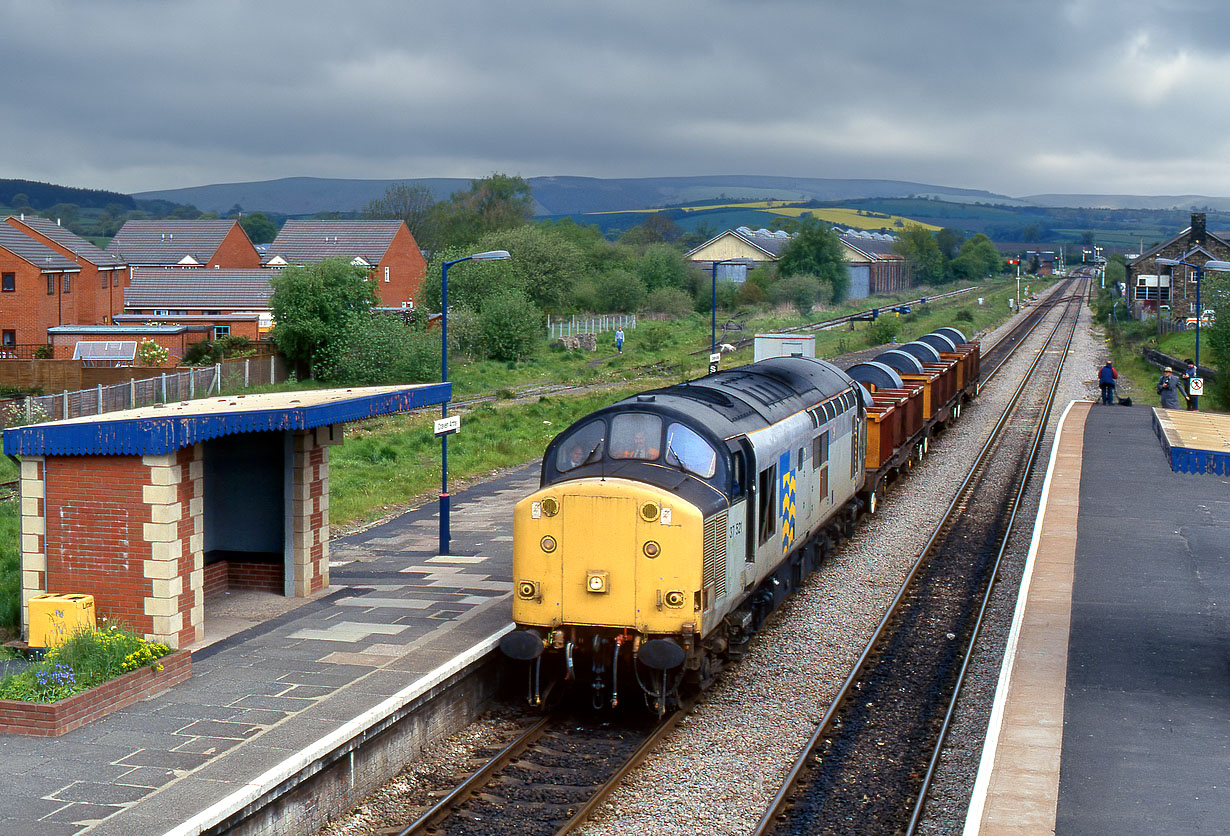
point(550, 506)
point(528, 591)
point(597, 581)
point(650, 511)
point(651, 549)
point(547, 543)
point(674, 598)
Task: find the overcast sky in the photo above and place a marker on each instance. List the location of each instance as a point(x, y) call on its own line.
point(1027, 97)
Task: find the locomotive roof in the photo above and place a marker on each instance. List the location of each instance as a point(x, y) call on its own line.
point(747, 398)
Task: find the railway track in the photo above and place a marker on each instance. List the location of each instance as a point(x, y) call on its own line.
point(546, 781)
point(867, 767)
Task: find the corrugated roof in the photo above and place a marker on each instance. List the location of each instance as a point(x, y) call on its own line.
point(41, 256)
point(309, 242)
point(70, 241)
point(168, 243)
point(220, 289)
point(165, 428)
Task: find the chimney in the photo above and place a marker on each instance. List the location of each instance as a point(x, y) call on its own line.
point(1197, 236)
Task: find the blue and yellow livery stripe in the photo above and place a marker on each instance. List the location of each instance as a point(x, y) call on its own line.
point(786, 500)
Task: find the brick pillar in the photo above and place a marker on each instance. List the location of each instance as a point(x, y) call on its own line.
point(33, 494)
point(174, 565)
point(310, 515)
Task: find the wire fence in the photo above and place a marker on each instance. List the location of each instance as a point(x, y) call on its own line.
point(561, 327)
point(164, 388)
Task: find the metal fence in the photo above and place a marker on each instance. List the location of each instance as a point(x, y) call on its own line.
point(559, 328)
point(165, 388)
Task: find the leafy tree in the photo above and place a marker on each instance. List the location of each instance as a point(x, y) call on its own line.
point(511, 326)
point(380, 348)
point(919, 249)
point(543, 264)
point(949, 241)
point(662, 266)
point(260, 229)
point(407, 202)
point(657, 228)
point(816, 251)
point(312, 305)
point(978, 258)
point(489, 205)
point(20, 201)
point(619, 291)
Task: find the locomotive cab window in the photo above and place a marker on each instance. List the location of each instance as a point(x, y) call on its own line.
point(585, 445)
point(686, 449)
point(767, 505)
point(635, 435)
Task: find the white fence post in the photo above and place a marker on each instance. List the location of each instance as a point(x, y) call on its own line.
point(100, 400)
point(65, 415)
point(217, 378)
point(132, 393)
point(164, 387)
point(247, 373)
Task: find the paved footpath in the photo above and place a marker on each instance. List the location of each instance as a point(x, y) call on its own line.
point(396, 612)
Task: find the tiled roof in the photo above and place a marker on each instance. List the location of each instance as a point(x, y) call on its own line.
point(216, 289)
point(69, 240)
point(309, 242)
point(879, 248)
point(168, 243)
point(41, 256)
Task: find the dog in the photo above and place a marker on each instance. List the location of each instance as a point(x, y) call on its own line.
point(725, 348)
point(1125, 402)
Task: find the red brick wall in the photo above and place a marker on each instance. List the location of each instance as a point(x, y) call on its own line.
point(266, 577)
point(29, 310)
point(406, 270)
point(175, 344)
point(95, 539)
point(236, 250)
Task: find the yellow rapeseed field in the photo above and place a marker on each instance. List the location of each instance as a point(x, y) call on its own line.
point(791, 209)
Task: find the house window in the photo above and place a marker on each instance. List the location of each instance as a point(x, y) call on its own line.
point(51, 285)
point(9, 282)
point(386, 273)
point(64, 284)
point(9, 337)
point(221, 331)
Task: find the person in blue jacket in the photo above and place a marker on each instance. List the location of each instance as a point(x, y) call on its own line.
point(1106, 379)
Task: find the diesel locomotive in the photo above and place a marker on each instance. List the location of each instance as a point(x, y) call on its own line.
point(668, 525)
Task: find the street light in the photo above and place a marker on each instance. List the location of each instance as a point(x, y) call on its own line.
point(746, 262)
point(1219, 266)
point(493, 255)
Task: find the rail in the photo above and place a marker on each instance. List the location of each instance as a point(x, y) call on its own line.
point(818, 783)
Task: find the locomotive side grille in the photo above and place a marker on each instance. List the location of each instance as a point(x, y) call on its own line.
point(714, 557)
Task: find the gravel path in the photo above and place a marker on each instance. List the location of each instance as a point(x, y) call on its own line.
point(722, 766)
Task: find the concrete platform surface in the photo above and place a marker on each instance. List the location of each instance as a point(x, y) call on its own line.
point(1113, 714)
point(279, 683)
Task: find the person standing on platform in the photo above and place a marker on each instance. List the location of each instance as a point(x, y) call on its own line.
point(1169, 389)
point(619, 340)
point(1106, 380)
point(1186, 378)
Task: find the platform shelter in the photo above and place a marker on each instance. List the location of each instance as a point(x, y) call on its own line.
point(149, 508)
point(1195, 442)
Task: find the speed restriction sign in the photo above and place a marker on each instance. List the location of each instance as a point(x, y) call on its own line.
point(1197, 385)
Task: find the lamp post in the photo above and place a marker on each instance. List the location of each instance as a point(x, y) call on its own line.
point(493, 255)
point(713, 273)
point(1219, 266)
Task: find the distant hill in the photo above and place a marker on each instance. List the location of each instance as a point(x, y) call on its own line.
point(45, 195)
point(1185, 202)
point(553, 195)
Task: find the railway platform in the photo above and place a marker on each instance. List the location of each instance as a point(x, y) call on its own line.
point(275, 699)
point(1112, 714)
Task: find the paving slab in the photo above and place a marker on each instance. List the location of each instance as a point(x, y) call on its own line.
point(397, 611)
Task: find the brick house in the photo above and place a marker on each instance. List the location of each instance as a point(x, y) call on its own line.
point(184, 244)
point(386, 248)
point(38, 289)
point(1150, 284)
point(103, 276)
point(147, 509)
point(235, 302)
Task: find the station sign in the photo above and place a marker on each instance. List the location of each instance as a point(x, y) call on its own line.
point(451, 424)
point(714, 359)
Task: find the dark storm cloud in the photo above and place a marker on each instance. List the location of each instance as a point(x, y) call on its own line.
point(1016, 98)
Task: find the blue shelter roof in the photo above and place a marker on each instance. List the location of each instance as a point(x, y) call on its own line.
point(164, 428)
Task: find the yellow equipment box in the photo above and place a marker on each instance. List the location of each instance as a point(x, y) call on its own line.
point(55, 617)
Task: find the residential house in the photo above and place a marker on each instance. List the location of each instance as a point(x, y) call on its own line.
point(232, 302)
point(1151, 285)
point(184, 244)
point(37, 291)
point(386, 248)
point(103, 277)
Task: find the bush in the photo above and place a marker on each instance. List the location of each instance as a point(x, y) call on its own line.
point(151, 354)
point(381, 349)
point(883, 330)
point(619, 291)
point(800, 291)
point(511, 326)
point(86, 659)
point(670, 301)
point(964, 315)
point(208, 352)
point(653, 336)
